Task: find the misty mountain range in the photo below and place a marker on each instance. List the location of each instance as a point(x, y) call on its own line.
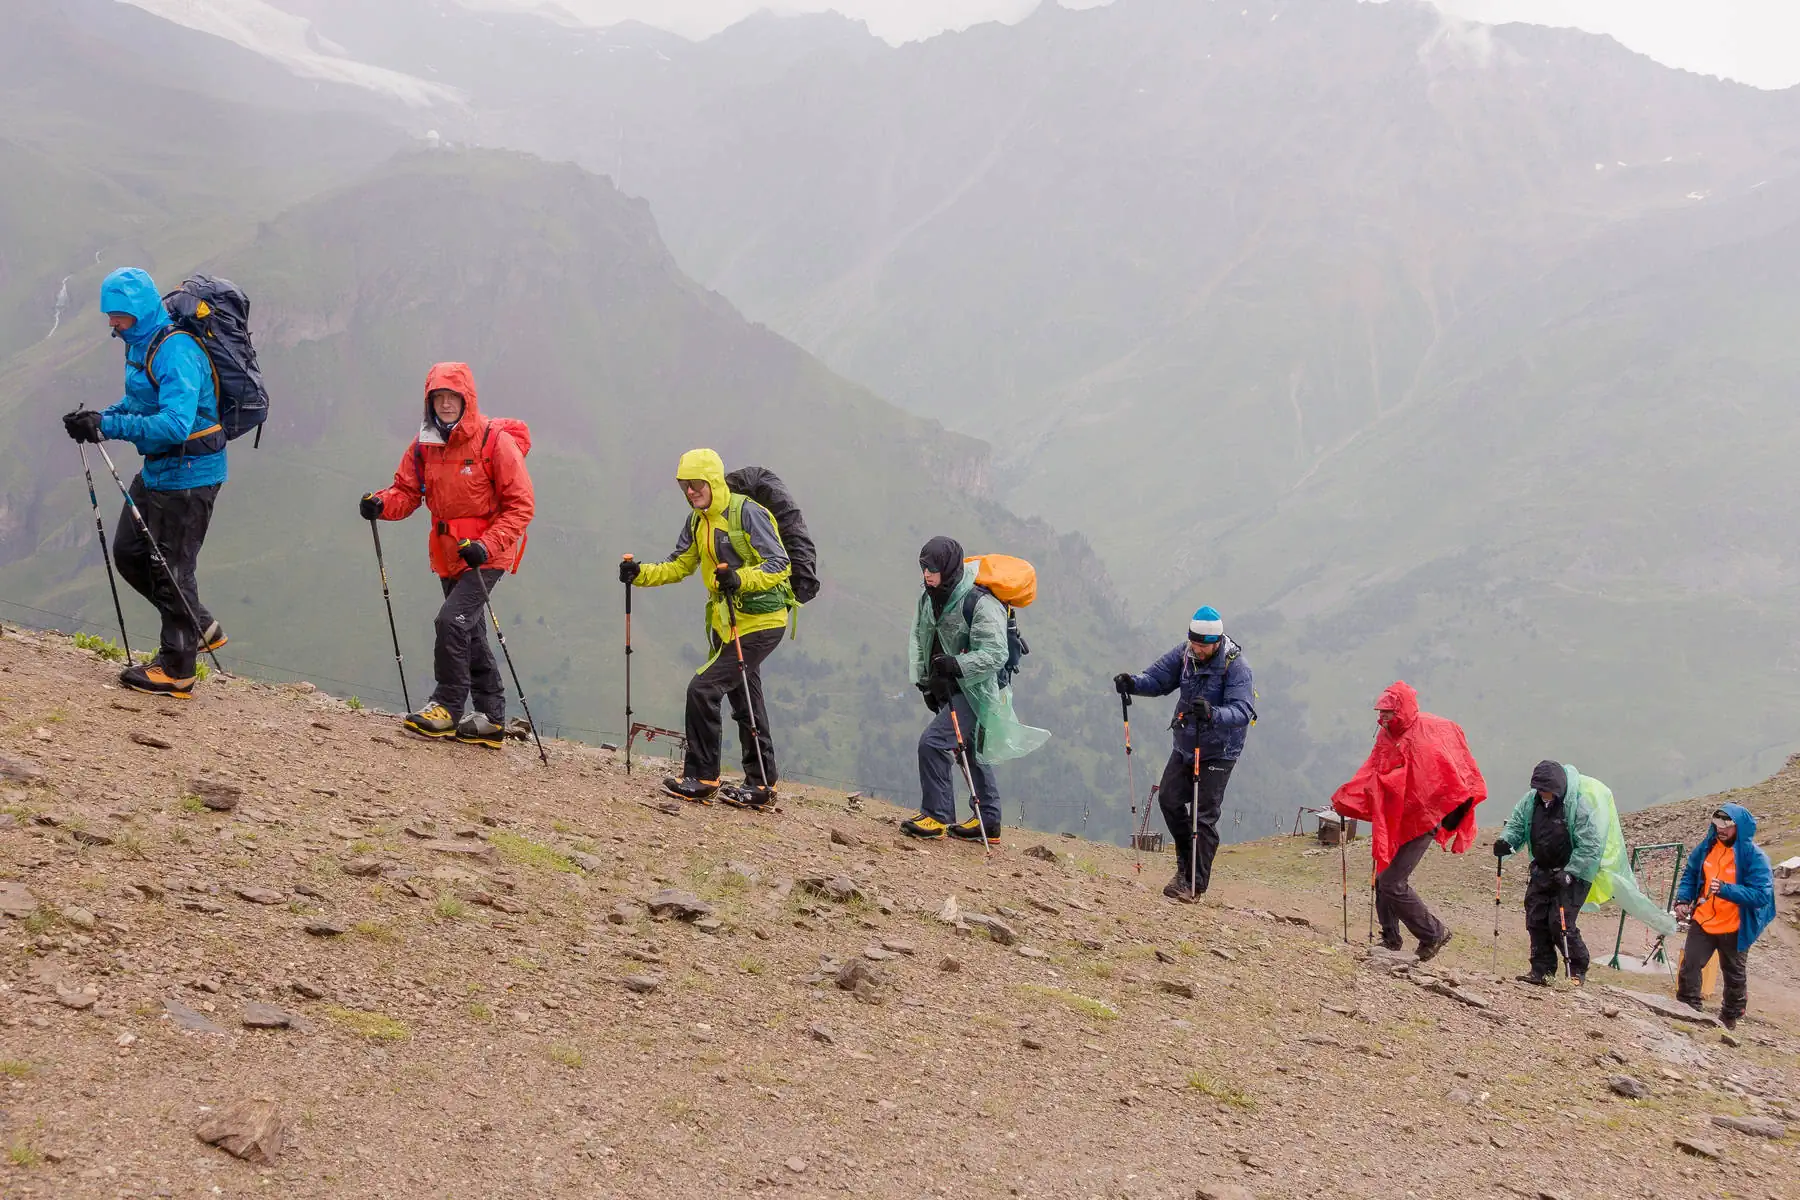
point(1423, 351)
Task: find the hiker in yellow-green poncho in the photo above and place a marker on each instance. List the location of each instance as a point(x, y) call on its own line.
point(735, 545)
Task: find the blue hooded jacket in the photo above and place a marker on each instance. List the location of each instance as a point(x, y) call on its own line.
point(1754, 891)
point(1223, 681)
point(159, 418)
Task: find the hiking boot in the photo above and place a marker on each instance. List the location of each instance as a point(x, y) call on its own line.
point(747, 795)
point(151, 678)
point(1729, 1023)
point(213, 638)
point(432, 721)
point(1534, 979)
point(697, 790)
point(970, 831)
point(1393, 944)
point(923, 826)
point(1429, 950)
point(1178, 886)
point(1578, 981)
point(477, 730)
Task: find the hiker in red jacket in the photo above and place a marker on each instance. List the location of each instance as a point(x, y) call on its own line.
point(469, 471)
point(1420, 784)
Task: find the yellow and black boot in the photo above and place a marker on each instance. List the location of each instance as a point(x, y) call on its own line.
point(432, 721)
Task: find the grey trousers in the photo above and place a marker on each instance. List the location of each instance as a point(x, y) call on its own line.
point(1397, 904)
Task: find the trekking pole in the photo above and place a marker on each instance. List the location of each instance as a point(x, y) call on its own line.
point(1373, 876)
point(962, 757)
point(627, 558)
point(1344, 870)
point(744, 676)
point(387, 599)
point(1137, 847)
point(1494, 957)
point(488, 599)
point(1194, 832)
point(1562, 920)
point(156, 553)
point(105, 554)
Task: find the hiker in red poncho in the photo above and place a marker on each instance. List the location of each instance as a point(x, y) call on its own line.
point(469, 471)
point(1419, 785)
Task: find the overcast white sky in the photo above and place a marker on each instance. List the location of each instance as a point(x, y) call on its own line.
point(1757, 41)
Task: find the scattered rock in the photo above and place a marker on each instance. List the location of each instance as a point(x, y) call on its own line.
point(1460, 995)
point(220, 795)
point(841, 888)
point(1221, 952)
point(1730, 1039)
point(1032, 952)
point(589, 864)
point(326, 928)
point(747, 871)
point(151, 740)
point(621, 914)
point(1697, 1147)
point(997, 929)
point(258, 1015)
point(821, 1033)
point(1224, 1191)
point(709, 925)
point(188, 1019)
point(311, 991)
point(1674, 1010)
point(797, 1165)
point(1031, 1043)
point(643, 985)
point(1460, 1096)
point(860, 979)
point(77, 998)
point(463, 848)
point(949, 965)
point(896, 946)
point(951, 912)
point(259, 895)
point(1626, 1086)
point(16, 900)
point(1177, 987)
point(1163, 956)
point(1043, 906)
point(362, 866)
point(1040, 851)
point(89, 837)
point(682, 906)
point(424, 829)
point(20, 770)
point(840, 837)
point(1763, 1127)
point(253, 1130)
point(79, 917)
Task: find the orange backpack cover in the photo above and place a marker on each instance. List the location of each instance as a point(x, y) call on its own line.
point(1013, 581)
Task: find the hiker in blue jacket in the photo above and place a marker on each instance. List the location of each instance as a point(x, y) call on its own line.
point(1216, 709)
point(1727, 895)
point(170, 412)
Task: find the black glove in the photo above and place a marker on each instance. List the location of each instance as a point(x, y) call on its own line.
point(1502, 848)
point(371, 507)
point(472, 552)
point(1203, 712)
point(1456, 816)
point(729, 583)
point(83, 425)
point(628, 570)
point(945, 667)
point(932, 700)
point(1122, 683)
point(1564, 880)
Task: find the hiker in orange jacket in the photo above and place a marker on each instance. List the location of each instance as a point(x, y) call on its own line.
point(469, 471)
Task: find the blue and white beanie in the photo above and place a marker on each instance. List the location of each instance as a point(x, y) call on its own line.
point(1207, 626)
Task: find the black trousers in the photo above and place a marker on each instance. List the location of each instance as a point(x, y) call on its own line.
point(1543, 898)
point(1733, 963)
point(1177, 792)
point(719, 681)
point(178, 521)
point(462, 660)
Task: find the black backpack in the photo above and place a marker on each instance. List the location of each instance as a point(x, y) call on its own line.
point(765, 487)
point(215, 313)
point(1016, 646)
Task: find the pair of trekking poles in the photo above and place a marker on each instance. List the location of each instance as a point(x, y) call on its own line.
point(156, 554)
point(487, 598)
point(1143, 830)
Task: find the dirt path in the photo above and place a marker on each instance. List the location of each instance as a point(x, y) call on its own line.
point(474, 1030)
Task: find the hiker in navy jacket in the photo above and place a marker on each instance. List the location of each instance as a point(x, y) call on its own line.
point(1727, 895)
point(1216, 709)
point(170, 412)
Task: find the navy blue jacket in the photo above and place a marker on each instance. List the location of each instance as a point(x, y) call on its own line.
point(1222, 680)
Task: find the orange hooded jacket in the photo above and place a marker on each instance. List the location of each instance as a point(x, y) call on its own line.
point(475, 484)
point(1419, 769)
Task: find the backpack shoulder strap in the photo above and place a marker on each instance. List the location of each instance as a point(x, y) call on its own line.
point(156, 343)
point(419, 466)
point(969, 602)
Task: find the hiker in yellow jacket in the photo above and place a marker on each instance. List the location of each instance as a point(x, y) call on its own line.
point(735, 545)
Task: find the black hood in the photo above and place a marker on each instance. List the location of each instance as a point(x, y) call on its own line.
point(944, 556)
point(1549, 776)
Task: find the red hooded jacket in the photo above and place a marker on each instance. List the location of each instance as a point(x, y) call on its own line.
point(1418, 771)
point(475, 485)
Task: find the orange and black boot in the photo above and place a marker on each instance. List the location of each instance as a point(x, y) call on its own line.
point(700, 791)
point(213, 638)
point(151, 678)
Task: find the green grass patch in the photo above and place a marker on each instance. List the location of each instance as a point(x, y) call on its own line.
point(480, 1011)
point(354, 704)
point(1087, 1006)
point(373, 1026)
point(191, 804)
point(15, 1068)
point(106, 648)
point(449, 908)
point(375, 931)
point(567, 1056)
point(21, 1155)
point(1225, 1093)
point(527, 853)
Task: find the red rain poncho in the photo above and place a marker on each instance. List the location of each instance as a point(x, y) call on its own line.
point(1418, 771)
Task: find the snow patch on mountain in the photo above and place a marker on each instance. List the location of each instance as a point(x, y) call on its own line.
point(292, 42)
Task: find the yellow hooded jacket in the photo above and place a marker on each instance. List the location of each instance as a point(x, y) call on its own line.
point(751, 543)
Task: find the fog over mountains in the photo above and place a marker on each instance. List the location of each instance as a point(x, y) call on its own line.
point(1455, 353)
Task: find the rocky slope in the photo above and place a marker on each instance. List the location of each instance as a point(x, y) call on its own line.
point(472, 996)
